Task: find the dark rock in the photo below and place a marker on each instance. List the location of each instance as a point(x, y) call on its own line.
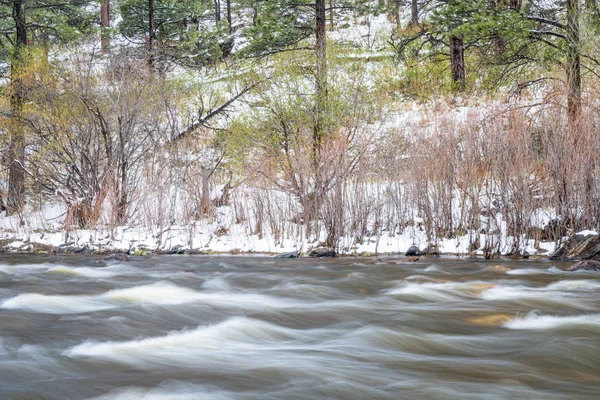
point(322, 252)
point(117, 257)
point(579, 247)
point(413, 251)
point(293, 254)
point(586, 265)
point(196, 252)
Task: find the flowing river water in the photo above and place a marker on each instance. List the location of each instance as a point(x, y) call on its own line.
point(192, 327)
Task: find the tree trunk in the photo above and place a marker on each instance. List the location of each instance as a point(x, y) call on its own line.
point(314, 198)
point(228, 5)
point(457, 63)
point(16, 175)
point(205, 199)
point(122, 201)
point(573, 65)
point(397, 15)
point(321, 74)
point(217, 4)
point(105, 24)
point(331, 25)
point(414, 12)
point(151, 34)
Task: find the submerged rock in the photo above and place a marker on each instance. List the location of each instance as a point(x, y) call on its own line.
point(409, 259)
point(413, 251)
point(322, 252)
point(581, 246)
point(117, 257)
point(293, 254)
point(586, 265)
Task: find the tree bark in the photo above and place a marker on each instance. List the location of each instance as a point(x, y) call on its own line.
point(457, 63)
point(16, 175)
point(573, 65)
point(104, 25)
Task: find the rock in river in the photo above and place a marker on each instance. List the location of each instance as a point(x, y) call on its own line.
point(322, 252)
point(581, 246)
point(293, 254)
point(413, 251)
point(586, 265)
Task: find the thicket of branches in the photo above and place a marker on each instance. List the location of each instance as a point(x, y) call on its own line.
point(300, 137)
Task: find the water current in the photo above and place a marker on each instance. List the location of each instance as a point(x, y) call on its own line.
point(194, 327)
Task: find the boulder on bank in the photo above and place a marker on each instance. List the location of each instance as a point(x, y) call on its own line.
point(322, 252)
point(293, 254)
point(413, 251)
point(586, 265)
point(581, 246)
point(432, 250)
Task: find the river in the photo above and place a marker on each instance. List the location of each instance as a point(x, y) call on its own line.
point(198, 327)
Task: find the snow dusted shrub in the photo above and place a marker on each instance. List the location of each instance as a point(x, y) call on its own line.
point(285, 153)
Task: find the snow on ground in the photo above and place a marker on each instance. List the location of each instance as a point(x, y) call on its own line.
point(222, 235)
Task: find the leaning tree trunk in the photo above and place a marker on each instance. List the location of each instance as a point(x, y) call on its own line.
point(457, 64)
point(105, 24)
point(16, 174)
point(573, 66)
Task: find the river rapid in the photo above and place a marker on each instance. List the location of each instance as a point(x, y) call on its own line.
point(192, 327)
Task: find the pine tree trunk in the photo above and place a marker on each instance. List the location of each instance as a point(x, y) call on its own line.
point(573, 65)
point(217, 4)
point(314, 199)
point(105, 24)
point(414, 12)
point(151, 34)
point(16, 176)
point(229, 22)
point(331, 15)
point(457, 63)
point(397, 15)
point(321, 68)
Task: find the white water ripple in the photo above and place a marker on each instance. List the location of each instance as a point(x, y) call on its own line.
point(160, 293)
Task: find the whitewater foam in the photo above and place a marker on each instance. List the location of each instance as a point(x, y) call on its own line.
point(104, 272)
point(533, 321)
point(440, 291)
point(160, 293)
point(237, 335)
